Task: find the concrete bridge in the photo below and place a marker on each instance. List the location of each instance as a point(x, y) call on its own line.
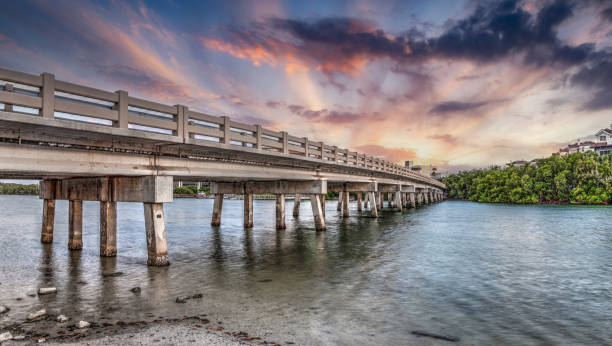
point(89, 144)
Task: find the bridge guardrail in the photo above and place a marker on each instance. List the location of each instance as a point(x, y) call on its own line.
point(50, 98)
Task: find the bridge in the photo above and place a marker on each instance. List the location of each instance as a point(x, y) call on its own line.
point(84, 143)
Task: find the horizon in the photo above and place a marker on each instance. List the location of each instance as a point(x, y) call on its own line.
point(460, 85)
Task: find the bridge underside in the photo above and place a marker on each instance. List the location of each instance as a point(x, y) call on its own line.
point(78, 161)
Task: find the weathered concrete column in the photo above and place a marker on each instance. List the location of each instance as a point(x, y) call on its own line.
point(48, 218)
point(217, 209)
point(156, 234)
point(75, 224)
point(322, 200)
point(398, 201)
point(296, 204)
point(340, 200)
point(379, 200)
point(412, 199)
point(366, 200)
point(280, 211)
point(317, 212)
point(108, 229)
point(359, 207)
point(248, 210)
point(425, 195)
point(373, 203)
point(345, 203)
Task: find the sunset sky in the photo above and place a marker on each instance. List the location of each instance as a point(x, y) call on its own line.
point(455, 83)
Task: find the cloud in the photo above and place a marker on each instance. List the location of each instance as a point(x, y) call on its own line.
point(446, 138)
point(598, 79)
point(397, 155)
point(344, 45)
point(273, 104)
point(455, 106)
point(607, 14)
point(331, 116)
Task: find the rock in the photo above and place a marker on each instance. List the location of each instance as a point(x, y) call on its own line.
point(112, 275)
point(41, 340)
point(197, 296)
point(31, 295)
point(3, 309)
point(62, 318)
point(37, 314)
point(18, 337)
point(84, 324)
point(46, 290)
point(135, 290)
point(6, 336)
point(181, 300)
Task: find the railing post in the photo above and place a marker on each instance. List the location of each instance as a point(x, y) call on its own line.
point(306, 147)
point(122, 109)
point(258, 145)
point(322, 151)
point(180, 121)
point(8, 88)
point(335, 154)
point(47, 92)
point(285, 142)
point(226, 130)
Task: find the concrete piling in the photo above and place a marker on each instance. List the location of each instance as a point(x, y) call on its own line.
point(280, 211)
point(340, 200)
point(373, 203)
point(317, 212)
point(75, 224)
point(156, 234)
point(345, 204)
point(248, 210)
point(359, 205)
point(108, 228)
point(296, 205)
point(217, 209)
point(48, 219)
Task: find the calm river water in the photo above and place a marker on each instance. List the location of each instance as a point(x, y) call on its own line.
point(487, 274)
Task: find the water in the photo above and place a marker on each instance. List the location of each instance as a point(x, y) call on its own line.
point(487, 274)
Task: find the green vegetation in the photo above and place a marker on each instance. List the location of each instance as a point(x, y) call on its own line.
point(580, 178)
point(18, 189)
point(186, 190)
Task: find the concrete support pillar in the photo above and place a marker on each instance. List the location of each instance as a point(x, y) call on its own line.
point(412, 200)
point(108, 229)
point(317, 212)
point(75, 224)
point(280, 211)
point(217, 209)
point(425, 195)
point(366, 200)
point(156, 234)
point(322, 199)
point(248, 210)
point(48, 218)
point(359, 207)
point(296, 204)
point(345, 204)
point(340, 199)
point(373, 203)
point(379, 200)
point(398, 201)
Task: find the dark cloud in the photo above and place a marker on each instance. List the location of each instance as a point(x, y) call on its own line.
point(607, 14)
point(273, 104)
point(331, 116)
point(342, 45)
point(447, 138)
point(455, 106)
point(596, 77)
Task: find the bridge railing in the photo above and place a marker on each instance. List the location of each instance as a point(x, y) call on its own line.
point(50, 98)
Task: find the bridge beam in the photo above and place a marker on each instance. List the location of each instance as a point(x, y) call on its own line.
point(274, 187)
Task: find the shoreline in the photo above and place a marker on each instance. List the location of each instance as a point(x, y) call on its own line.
point(176, 331)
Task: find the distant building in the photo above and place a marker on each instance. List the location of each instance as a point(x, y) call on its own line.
point(408, 164)
point(599, 142)
point(426, 170)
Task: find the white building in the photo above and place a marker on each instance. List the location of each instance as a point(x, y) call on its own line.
point(600, 142)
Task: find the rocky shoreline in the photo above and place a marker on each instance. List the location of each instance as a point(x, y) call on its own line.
point(186, 330)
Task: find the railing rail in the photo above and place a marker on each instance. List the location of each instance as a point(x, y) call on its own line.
point(49, 98)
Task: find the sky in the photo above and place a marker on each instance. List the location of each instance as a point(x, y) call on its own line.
point(458, 84)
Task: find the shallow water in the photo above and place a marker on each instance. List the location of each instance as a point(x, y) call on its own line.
point(487, 274)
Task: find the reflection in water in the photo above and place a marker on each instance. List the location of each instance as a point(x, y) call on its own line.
point(488, 274)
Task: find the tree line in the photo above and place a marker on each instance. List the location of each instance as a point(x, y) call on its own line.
point(18, 189)
point(580, 178)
